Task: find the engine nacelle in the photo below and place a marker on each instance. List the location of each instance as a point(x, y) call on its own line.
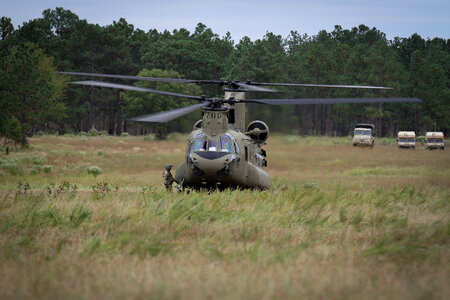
point(258, 131)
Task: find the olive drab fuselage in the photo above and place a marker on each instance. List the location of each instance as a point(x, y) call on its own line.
point(219, 156)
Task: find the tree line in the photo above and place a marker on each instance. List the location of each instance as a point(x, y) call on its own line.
point(33, 97)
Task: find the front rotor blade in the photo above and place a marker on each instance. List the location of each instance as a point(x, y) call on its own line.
point(169, 115)
point(252, 88)
point(324, 85)
point(134, 88)
point(158, 79)
point(332, 101)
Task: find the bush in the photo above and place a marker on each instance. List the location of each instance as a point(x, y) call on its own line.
point(36, 169)
point(38, 160)
point(82, 133)
point(420, 139)
point(47, 168)
point(94, 170)
point(12, 167)
point(150, 137)
point(40, 133)
point(14, 131)
point(124, 134)
point(174, 137)
point(93, 132)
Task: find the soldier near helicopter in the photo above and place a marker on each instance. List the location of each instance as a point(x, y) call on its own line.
point(168, 179)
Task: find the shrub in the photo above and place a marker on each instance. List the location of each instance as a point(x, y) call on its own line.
point(174, 137)
point(82, 133)
point(94, 170)
point(47, 168)
point(311, 186)
point(420, 139)
point(40, 133)
point(93, 132)
point(14, 131)
point(124, 134)
point(12, 167)
point(36, 169)
point(150, 137)
point(38, 160)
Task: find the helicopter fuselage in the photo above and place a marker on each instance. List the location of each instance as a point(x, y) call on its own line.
point(220, 157)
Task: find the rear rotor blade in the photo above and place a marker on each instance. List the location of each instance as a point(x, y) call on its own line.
point(134, 88)
point(158, 79)
point(252, 88)
point(332, 101)
point(169, 115)
point(323, 85)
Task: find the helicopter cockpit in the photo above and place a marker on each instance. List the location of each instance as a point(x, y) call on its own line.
point(225, 143)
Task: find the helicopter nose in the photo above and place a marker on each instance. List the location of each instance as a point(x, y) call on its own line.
point(211, 162)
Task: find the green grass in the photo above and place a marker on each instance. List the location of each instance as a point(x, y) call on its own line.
point(338, 223)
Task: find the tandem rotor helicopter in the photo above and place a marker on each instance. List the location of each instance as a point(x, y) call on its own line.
point(221, 151)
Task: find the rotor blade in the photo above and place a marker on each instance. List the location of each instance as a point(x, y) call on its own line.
point(331, 101)
point(323, 85)
point(169, 115)
point(254, 88)
point(158, 79)
point(134, 88)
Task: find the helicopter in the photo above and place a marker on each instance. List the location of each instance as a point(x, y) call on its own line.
point(221, 151)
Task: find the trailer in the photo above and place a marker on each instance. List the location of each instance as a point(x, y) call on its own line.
point(434, 140)
point(406, 139)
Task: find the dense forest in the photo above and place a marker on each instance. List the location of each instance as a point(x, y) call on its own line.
point(33, 98)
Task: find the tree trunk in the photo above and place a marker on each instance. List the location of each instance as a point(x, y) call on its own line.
point(119, 114)
point(111, 116)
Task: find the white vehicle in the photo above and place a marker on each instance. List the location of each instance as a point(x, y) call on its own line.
point(434, 140)
point(364, 135)
point(406, 139)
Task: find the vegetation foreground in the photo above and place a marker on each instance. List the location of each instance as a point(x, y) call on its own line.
point(339, 222)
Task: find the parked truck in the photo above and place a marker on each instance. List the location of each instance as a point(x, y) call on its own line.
point(406, 139)
point(434, 140)
point(364, 135)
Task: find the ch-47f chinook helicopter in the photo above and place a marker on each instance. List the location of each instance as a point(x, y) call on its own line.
point(221, 152)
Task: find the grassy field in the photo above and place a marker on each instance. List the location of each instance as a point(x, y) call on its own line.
point(339, 222)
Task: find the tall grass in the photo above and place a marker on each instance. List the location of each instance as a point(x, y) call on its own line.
point(338, 223)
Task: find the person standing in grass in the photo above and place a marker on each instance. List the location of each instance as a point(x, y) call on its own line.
point(168, 178)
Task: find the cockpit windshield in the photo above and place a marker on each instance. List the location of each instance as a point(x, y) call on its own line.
point(199, 145)
point(403, 140)
point(224, 144)
point(213, 145)
point(362, 132)
point(430, 140)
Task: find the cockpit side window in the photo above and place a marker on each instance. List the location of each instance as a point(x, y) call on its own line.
point(226, 144)
point(199, 145)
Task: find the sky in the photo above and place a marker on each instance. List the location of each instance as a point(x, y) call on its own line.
point(252, 18)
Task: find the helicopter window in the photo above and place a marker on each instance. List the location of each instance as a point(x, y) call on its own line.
point(226, 145)
point(199, 145)
point(231, 116)
point(213, 145)
point(199, 136)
